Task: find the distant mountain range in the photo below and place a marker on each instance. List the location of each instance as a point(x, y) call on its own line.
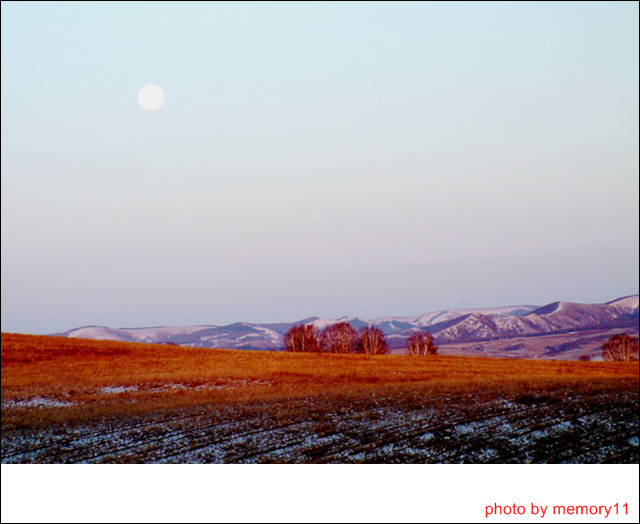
point(447, 326)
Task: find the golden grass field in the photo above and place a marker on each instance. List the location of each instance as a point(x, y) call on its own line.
point(53, 387)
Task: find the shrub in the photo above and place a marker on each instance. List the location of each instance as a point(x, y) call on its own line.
point(620, 348)
point(302, 338)
point(339, 338)
point(421, 343)
point(372, 342)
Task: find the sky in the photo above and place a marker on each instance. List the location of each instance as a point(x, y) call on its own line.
point(329, 159)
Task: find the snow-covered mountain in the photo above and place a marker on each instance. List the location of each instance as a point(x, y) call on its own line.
point(240, 335)
point(627, 304)
point(447, 326)
point(556, 317)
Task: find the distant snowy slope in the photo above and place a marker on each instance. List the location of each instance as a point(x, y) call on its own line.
point(151, 334)
point(161, 333)
point(555, 317)
point(628, 304)
point(97, 333)
point(446, 315)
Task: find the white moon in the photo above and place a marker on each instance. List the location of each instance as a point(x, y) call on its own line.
point(151, 97)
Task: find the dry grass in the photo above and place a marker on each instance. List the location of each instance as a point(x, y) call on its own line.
point(80, 373)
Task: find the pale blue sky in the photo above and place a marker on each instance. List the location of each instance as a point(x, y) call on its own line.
point(314, 159)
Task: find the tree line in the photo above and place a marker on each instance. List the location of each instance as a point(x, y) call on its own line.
point(342, 337)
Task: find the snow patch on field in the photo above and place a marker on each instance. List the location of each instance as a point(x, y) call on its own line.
point(35, 402)
point(179, 386)
point(116, 390)
point(43, 402)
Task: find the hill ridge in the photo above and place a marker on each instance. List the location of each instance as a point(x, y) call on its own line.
point(447, 326)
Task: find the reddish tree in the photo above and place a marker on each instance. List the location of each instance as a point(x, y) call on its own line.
point(372, 342)
point(339, 338)
point(620, 348)
point(302, 338)
point(421, 343)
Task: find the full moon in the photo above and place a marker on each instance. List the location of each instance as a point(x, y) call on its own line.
point(151, 97)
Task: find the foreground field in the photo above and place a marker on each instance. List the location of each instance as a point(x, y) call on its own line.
point(68, 400)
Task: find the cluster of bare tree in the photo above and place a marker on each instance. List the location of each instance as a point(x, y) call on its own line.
point(620, 348)
point(342, 337)
point(421, 343)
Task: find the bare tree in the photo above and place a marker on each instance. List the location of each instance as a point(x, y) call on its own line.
point(620, 348)
point(372, 341)
point(302, 338)
point(339, 338)
point(421, 343)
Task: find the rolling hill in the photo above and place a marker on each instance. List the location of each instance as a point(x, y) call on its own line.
point(454, 326)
